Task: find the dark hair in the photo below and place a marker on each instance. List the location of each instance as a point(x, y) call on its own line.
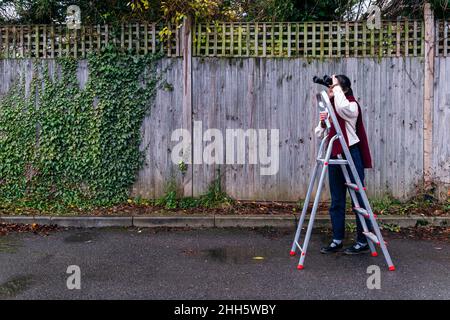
point(345, 83)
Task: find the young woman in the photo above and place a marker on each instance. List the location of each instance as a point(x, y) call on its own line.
point(348, 114)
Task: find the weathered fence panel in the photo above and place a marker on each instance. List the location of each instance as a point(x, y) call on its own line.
point(441, 126)
point(165, 116)
point(278, 94)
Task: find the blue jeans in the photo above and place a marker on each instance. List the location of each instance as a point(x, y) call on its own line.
point(338, 192)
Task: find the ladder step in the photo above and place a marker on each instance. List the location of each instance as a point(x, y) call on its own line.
point(353, 186)
point(372, 237)
point(298, 246)
point(333, 161)
point(362, 212)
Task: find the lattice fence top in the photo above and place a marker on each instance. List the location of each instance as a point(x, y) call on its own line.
point(442, 34)
point(48, 41)
point(309, 39)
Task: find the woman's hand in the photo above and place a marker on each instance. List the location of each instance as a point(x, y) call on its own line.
point(335, 83)
point(322, 116)
point(334, 79)
point(330, 92)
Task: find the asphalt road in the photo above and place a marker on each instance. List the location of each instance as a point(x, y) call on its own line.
point(210, 264)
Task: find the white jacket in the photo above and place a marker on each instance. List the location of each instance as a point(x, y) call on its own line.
point(348, 111)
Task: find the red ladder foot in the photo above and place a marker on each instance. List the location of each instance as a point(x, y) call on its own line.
point(292, 253)
point(391, 268)
point(374, 254)
point(300, 267)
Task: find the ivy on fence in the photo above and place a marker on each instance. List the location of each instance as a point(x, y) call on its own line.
point(65, 146)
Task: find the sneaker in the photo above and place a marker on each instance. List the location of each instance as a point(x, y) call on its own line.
point(333, 247)
point(357, 248)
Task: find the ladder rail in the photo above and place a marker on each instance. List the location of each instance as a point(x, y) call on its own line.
point(356, 203)
point(305, 208)
point(307, 198)
point(315, 205)
point(365, 200)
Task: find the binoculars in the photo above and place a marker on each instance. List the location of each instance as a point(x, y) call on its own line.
point(325, 81)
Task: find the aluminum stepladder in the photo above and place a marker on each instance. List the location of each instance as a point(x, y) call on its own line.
point(323, 161)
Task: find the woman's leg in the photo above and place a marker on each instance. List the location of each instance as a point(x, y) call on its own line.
point(357, 159)
point(338, 192)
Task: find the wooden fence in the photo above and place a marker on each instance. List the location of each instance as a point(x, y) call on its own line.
point(310, 39)
point(256, 93)
point(279, 94)
point(400, 73)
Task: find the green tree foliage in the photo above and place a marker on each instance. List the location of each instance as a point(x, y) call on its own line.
point(92, 11)
point(441, 8)
point(117, 11)
point(293, 10)
point(412, 8)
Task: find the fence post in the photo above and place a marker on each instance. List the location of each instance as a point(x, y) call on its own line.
point(428, 95)
point(187, 100)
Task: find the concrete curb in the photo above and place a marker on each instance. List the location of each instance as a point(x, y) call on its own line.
point(254, 221)
point(217, 221)
point(76, 222)
point(189, 221)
